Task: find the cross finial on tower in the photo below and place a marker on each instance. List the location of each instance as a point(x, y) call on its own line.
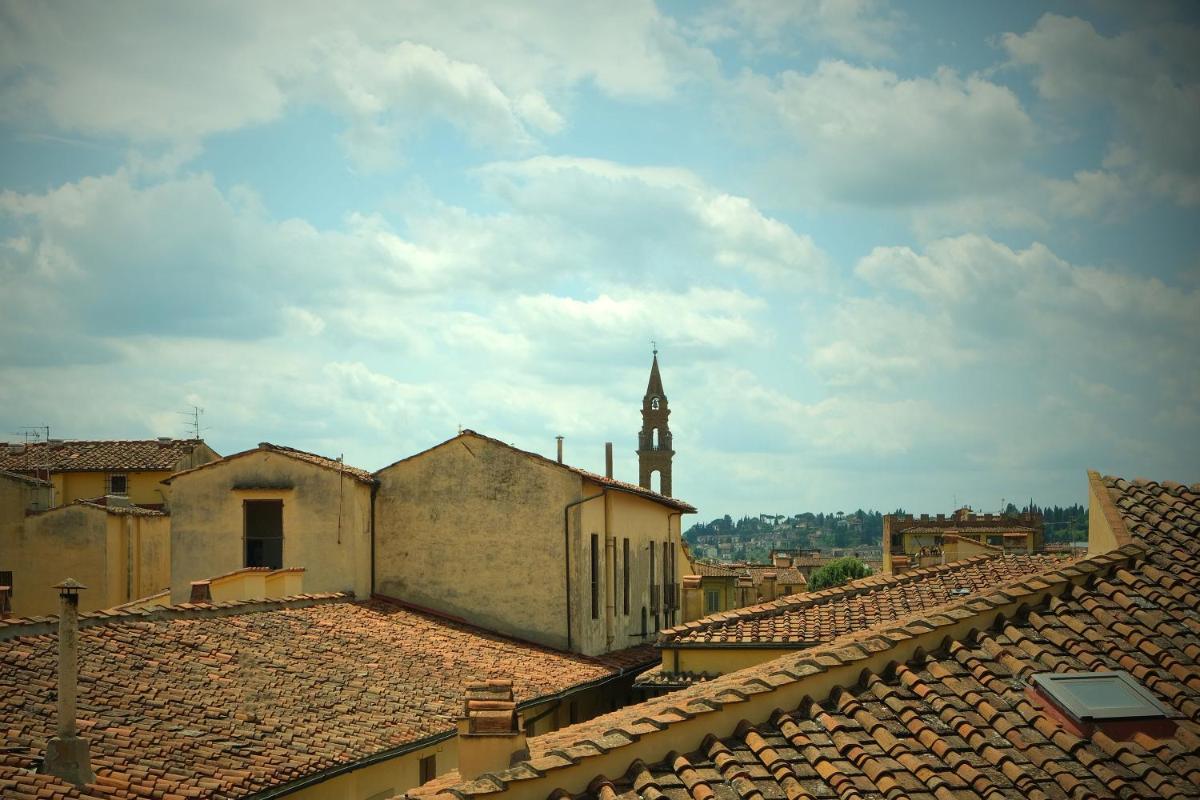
point(654, 344)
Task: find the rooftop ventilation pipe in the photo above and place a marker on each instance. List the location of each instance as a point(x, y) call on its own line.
point(67, 755)
point(559, 439)
point(608, 472)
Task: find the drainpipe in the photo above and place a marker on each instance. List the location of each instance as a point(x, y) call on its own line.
point(567, 552)
point(610, 583)
point(674, 570)
point(129, 559)
point(67, 755)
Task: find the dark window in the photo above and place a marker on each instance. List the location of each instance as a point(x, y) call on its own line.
point(595, 576)
point(625, 575)
point(712, 601)
point(6, 580)
point(264, 533)
point(118, 484)
point(428, 768)
point(573, 712)
point(668, 584)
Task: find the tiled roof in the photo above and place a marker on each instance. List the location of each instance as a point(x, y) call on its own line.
point(934, 706)
point(191, 703)
point(805, 619)
point(133, 455)
point(787, 576)
point(612, 483)
point(291, 452)
point(997, 530)
point(131, 510)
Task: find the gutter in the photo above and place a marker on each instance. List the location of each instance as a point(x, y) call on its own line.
point(567, 552)
point(374, 492)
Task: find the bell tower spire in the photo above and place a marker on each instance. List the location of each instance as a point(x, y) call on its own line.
point(654, 441)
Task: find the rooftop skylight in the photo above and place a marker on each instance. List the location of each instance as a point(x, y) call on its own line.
point(1099, 696)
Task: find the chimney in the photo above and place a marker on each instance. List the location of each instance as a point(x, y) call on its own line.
point(67, 755)
point(490, 737)
point(743, 587)
point(5, 601)
point(559, 439)
point(769, 578)
point(693, 598)
point(781, 559)
point(201, 592)
point(608, 459)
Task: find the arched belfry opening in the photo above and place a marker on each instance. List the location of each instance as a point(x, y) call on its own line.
point(654, 441)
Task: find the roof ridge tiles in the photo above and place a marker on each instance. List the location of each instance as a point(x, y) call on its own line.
point(18, 627)
point(843, 657)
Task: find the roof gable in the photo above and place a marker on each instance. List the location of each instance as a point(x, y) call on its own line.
point(601, 480)
point(334, 464)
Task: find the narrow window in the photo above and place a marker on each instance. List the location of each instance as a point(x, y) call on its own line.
point(595, 576)
point(712, 603)
point(653, 585)
point(118, 484)
point(625, 575)
point(428, 768)
point(264, 533)
point(654, 440)
point(6, 580)
point(654, 404)
point(573, 712)
point(668, 583)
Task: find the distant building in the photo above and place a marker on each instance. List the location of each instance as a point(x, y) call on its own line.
point(910, 541)
point(92, 469)
point(655, 445)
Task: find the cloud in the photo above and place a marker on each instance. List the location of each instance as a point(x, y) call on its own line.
point(866, 28)
point(870, 137)
point(1148, 77)
point(496, 73)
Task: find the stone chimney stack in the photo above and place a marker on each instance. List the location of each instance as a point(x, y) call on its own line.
point(744, 588)
point(67, 755)
point(490, 736)
point(559, 439)
point(5, 601)
point(608, 459)
point(768, 581)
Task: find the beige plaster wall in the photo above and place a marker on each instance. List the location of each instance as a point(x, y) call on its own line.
point(475, 529)
point(326, 522)
point(716, 660)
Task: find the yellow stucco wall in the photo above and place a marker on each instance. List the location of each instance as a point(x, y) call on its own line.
point(326, 522)
point(716, 660)
point(475, 529)
point(119, 557)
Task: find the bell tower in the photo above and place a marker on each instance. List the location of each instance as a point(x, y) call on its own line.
point(654, 441)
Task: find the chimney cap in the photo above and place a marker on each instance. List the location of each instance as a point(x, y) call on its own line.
point(69, 586)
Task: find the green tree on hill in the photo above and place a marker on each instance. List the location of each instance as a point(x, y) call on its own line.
point(837, 572)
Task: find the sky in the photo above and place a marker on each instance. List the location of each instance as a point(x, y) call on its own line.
point(909, 255)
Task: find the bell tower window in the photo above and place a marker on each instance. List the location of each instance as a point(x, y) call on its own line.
point(654, 404)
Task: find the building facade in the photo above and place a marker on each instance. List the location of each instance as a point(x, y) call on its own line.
point(528, 546)
point(910, 541)
point(275, 507)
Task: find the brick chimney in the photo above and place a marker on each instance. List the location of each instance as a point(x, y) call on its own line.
point(490, 734)
point(67, 755)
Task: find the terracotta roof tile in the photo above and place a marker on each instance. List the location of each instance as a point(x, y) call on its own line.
point(955, 720)
point(809, 618)
point(199, 705)
point(131, 455)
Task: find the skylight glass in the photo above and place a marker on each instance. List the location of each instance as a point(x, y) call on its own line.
point(1100, 695)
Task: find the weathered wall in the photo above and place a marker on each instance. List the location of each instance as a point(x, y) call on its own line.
point(326, 522)
point(65, 542)
point(474, 529)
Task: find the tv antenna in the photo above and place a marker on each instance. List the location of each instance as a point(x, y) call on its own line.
point(193, 424)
